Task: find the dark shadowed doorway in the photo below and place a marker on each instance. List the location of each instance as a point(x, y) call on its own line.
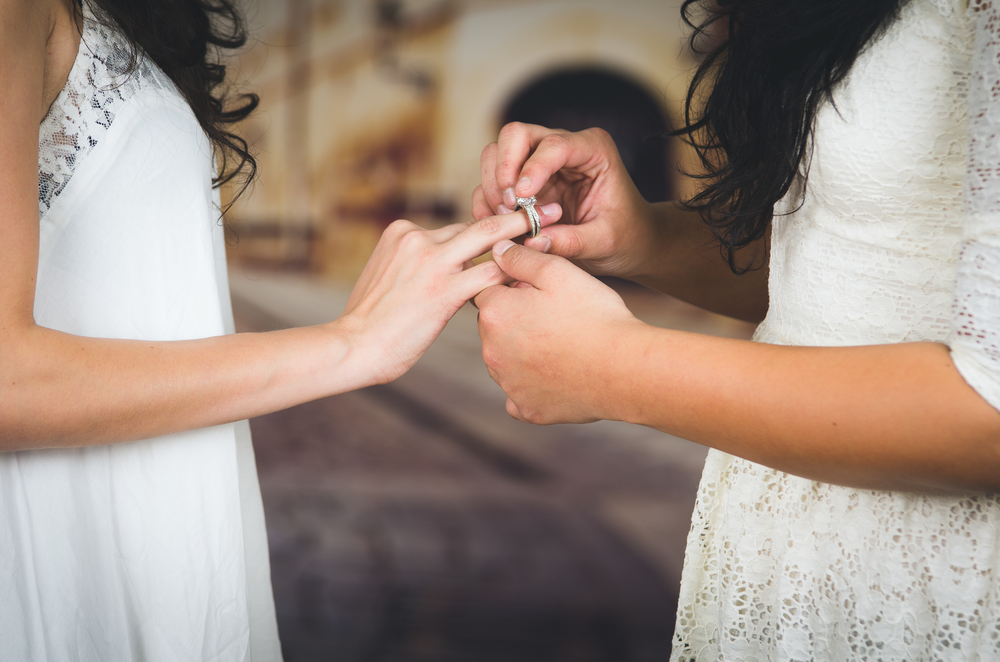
point(580, 98)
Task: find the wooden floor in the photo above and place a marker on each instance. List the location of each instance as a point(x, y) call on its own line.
point(417, 521)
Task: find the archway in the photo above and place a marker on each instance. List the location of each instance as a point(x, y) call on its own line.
point(580, 98)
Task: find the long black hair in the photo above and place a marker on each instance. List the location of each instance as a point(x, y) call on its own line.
point(188, 39)
point(750, 108)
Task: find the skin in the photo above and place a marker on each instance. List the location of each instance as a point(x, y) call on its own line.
point(58, 389)
point(565, 349)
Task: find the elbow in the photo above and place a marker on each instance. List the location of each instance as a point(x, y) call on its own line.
point(976, 469)
point(979, 414)
point(990, 472)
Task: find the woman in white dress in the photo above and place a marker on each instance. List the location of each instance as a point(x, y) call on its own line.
point(115, 326)
point(848, 508)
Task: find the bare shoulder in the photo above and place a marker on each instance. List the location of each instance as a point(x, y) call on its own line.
point(25, 22)
point(61, 48)
point(34, 38)
point(42, 37)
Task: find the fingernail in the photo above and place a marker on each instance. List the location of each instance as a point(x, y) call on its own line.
point(501, 246)
point(502, 209)
point(550, 209)
point(509, 198)
point(523, 184)
point(543, 244)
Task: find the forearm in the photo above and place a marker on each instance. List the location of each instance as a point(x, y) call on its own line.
point(686, 263)
point(63, 390)
point(58, 389)
point(878, 417)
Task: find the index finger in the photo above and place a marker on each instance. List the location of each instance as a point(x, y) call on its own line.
point(479, 236)
point(516, 143)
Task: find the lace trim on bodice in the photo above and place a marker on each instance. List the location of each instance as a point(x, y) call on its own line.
point(99, 85)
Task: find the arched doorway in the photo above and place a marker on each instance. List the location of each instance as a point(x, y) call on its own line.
point(580, 98)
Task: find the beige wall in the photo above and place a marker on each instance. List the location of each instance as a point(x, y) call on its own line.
point(360, 124)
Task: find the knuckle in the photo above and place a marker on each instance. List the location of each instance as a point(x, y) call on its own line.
point(492, 271)
point(514, 257)
point(489, 357)
point(511, 259)
point(491, 225)
point(598, 134)
point(399, 228)
point(555, 142)
point(572, 245)
point(486, 319)
point(512, 130)
point(530, 414)
point(413, 238)
point(489, 321)
point(492, 359)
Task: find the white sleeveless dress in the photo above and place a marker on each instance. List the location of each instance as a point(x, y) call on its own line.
point(155, 549)
point(898, 240)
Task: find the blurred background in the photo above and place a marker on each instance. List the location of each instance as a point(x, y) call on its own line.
point(416, 520)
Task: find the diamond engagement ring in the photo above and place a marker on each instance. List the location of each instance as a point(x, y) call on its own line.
point(528, 205)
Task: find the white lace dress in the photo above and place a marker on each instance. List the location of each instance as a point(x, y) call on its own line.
point(151, 550)
point(898, 240)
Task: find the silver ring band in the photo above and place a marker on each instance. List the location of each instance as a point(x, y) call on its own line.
point(528, 205)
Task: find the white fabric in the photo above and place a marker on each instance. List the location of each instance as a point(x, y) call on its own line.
point(156, 549)
point(975, 339)
point(783, 568)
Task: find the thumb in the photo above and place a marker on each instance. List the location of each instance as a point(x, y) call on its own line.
point(525, 264)
point(572, 242)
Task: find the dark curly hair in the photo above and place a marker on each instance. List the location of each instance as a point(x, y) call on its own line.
point(750, 108)
point(187, 39)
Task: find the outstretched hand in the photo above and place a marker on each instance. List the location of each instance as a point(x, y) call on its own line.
point(606, 227)
point(548, 341)
point(414, 282)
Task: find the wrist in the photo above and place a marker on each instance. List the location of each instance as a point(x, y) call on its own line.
point(345, 363)
point(624, 372)
point(653, 245)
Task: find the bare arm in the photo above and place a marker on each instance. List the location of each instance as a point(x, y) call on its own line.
point(58, 389)
point(689, 266)
point(880, 417)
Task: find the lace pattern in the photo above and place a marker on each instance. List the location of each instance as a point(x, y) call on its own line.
point(783, 568)
point(838, 574)
point(975, 337)
point(99, 84)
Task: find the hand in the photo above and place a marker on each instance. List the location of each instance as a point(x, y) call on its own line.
point(551, 342)
point(414, 282)
point(607, 226)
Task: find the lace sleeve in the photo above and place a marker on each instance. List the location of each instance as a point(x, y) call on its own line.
point(975, 335)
